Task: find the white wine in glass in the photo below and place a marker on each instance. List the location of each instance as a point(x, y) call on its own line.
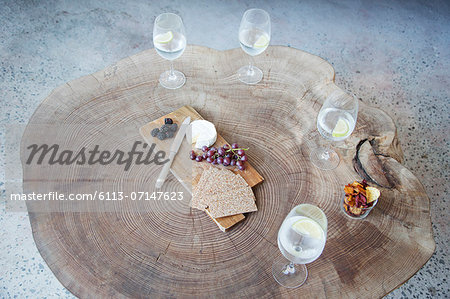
point(301, 240)
point(169, 39)
point(335, 122)
point(254, 37)
point(173, 49)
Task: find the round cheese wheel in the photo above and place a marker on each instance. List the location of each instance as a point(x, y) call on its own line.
point(203, 133)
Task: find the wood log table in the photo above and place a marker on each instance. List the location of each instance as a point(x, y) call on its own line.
point(180, 252)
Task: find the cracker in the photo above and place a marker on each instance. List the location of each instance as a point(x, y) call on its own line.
point(223, 193)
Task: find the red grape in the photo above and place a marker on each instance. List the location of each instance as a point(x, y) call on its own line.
point(226, 155)
point(221, 151)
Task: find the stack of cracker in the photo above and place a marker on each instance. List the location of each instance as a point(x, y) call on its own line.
point(223, 193)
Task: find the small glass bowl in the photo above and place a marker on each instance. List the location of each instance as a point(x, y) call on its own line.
point(364, 211)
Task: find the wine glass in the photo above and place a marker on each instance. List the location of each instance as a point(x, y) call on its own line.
point(169, 39)
point(301, 240)
point(335, 122)
point(254, 37)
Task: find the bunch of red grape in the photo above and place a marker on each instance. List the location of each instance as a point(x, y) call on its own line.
point(225, 155)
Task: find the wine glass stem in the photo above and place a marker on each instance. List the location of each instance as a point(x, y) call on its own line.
point(250, 68)
point(172, 73)
point(326, 153)
point(290, 268)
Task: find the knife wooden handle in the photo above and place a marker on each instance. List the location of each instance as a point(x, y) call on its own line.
point(165, 171)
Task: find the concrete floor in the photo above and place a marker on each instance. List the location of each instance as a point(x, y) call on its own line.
point(393, 55)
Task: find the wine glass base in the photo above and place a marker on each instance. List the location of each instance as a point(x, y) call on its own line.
point(249, 75)
point(288, 277)
point(172, 80)
point(324, 158)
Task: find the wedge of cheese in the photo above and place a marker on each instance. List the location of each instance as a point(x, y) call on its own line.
point(203, 133)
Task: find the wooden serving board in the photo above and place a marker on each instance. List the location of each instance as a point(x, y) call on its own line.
point(188, 172)
point(179, 252)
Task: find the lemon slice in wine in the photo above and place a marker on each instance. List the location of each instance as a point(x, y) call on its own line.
point(308, 228)
point(164, 38)
point(341, 129)
point(313, 212)
point(261, 42)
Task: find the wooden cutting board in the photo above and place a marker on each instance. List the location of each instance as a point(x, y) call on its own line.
point(189, 172)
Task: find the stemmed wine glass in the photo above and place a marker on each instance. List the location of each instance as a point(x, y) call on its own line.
point(301, 240)
point(169, 39)
point(254, 37)
point(335, 122)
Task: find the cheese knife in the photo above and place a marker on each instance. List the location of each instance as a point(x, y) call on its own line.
point(173, 151)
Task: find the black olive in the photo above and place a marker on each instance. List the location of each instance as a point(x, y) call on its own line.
point(155, 132)
point(173, 127)
point(162, 135)
point(165, 128)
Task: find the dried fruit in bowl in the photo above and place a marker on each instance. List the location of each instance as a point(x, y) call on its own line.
point(359, 198)
point(356, 211)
